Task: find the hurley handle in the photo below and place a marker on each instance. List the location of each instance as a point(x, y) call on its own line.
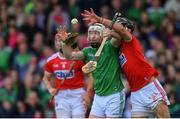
point(98, 53)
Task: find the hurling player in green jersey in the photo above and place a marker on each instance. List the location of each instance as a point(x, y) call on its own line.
point(109, 95)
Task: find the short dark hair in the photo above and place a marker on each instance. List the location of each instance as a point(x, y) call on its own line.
point(126, 23)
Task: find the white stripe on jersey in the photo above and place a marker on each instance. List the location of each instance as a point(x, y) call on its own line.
point(55, 55)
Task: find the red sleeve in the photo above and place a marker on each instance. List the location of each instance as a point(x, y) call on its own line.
point(48, 67)
point(81, 64)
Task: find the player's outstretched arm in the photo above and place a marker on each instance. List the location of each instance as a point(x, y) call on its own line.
point(88, 96)
point(65, 41)
point(46, 79)
point(93, 18)
point(115, 41)
point(72, 55)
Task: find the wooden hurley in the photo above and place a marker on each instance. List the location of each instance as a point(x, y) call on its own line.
point(98, 53)
point(91, 65)
point(62, 82)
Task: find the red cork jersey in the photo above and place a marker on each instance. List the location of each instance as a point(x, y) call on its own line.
point(134, 65)
point(60, 66)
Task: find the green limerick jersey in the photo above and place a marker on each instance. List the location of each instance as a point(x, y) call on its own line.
point(106, 76)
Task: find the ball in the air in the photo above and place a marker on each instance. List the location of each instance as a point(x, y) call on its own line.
point(74, 21)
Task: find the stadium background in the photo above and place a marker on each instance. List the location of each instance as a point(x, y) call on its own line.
point(27, 30)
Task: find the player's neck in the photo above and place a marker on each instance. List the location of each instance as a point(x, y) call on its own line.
point(61, 54)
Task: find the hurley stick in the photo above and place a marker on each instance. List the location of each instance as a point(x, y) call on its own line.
point(98, 53)
point(62, 82)
point(91, 65)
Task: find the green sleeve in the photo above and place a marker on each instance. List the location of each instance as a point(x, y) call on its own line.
point(114, 49)
point(84, 51)
point(88, 54)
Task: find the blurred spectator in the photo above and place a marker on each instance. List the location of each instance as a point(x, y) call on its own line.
point(41, 15)
point(5, 52)
point(33, 65)
point(176, 41)
point(30, 27)
point(17, 84)
point(173, 5)
point(28, 83)
point(174, 107)
point(171, 73)
point(57, 17)
point(86, 4)
point(21, 38)
point(136, 11)
point(38, 44)
point(47, 52)
point(116, 6)
point(13, 33)
point(167, 29)
point(7, 109)
point(105, 11)
point(73, 9)
point(161, 77)
point(30, 7)
point(146, 28)
point(21, 110)
point(156, 12)
point(17, 9)
point(169, 56)
point(33, 106)
point(4, 21)
point(22, 59)
point(8, 91)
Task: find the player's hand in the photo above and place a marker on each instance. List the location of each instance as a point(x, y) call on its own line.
point(86, 99)
point(89, 67)
point(52, 91)
point(90, 16)
point(61, 33)
point(107, 33)
point(67, 38)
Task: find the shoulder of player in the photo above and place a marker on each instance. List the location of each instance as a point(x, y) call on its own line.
point(87, 48)
point(133, 38)
point(52, 57)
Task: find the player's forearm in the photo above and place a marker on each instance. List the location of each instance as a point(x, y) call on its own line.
point(117, 27)
point(67, 51)
point(77, 55)
point(90, 85)
point(47, 83)
point(115, 35)
point(88, 96)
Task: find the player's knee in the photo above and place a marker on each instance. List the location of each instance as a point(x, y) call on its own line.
point(161, 110)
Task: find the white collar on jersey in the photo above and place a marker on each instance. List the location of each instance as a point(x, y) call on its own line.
point(60, 56)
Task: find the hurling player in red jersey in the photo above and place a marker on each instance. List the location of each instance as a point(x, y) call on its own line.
point(69, 84)
point(147, 94)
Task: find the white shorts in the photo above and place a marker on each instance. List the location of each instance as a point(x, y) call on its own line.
point(68, 103)
point(145, 100)
point(108, 106)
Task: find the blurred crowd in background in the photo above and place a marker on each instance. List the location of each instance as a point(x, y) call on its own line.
point(27, 29)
